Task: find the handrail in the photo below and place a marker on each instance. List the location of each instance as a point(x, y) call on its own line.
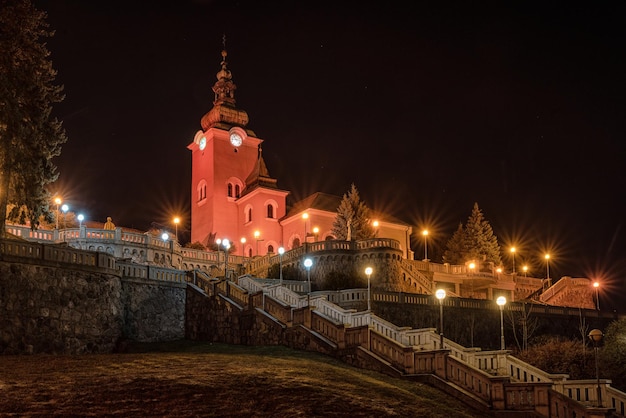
point(474, 369)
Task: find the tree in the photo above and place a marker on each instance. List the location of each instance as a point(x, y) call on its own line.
point(474, 241)
point(29, 136)
point(454, 253)
point(197, 245)
point(353, 218)
point(558, 355)
point(613, 353)
point(527, 325)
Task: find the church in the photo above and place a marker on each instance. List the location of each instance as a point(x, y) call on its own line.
point(234, 197)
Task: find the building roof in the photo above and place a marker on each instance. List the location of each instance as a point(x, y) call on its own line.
point(329, 203)
point(260, 176)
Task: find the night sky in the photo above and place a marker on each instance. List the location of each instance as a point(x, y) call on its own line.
point(427, 109)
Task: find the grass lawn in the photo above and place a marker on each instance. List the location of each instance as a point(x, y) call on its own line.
point(198, 379)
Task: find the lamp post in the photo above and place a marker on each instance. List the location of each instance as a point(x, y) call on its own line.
point(243, 246)
point(81, 217)
point(257, 234)
point(226, 244)
point(513, 253)
point(501, 301)
point(547, 257)
point(307, 264)
point(525, 268)
point(472, 266)
point(316, 231)
point(65, 208)
point(595, 335)
point(596, 285)
point(281, 251)
point(176, 222)
point(243, 251)
point(165, 237)
point(375, 224)
point(219, 243)
point(368, 273)
point(441, 295)
point(425, 234)
point(305, 217)
point(58, 201)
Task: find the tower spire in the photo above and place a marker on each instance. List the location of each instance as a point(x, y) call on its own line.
point(224, 104)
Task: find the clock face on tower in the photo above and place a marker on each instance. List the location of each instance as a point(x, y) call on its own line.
point(202, 143)
point(235, 139)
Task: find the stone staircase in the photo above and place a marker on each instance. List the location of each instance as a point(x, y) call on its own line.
point(493, 381)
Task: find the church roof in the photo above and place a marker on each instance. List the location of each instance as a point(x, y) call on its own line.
point(329, 203)
point(320, 201)
point(259, 176)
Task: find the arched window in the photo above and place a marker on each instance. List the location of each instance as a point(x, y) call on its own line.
point(250, 215)
point(201, 190)
point(270, 211)
point(270, 249)
point(230, 190)
point(237, 191)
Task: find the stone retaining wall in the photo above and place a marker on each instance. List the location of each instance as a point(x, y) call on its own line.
point(56, 310)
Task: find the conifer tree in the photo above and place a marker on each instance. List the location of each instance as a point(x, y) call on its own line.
point(455, 252)
point(353, 218)
point(474, 241)
point(481, 243)
point(29, 136)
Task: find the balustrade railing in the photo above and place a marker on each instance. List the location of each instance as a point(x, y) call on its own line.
point(469, 368)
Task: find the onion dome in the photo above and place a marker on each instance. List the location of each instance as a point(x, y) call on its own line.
point(224, 110)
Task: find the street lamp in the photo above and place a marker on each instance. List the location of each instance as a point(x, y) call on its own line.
point(525, 268)
point(257, 234)
point(165, 236)
point(316, 231)
point(176, 222)
point(513, 253)
point(243, 246)
point(501, 301)
point(81, 217)
point(472, 266)
point(547, 257)
point(243, 251)
point(375, 224)
point(305, 217)
point(65, 208)
point(218, 242)
point(596, 284)
point(307, 264)
point(226, 244)
point(58, 201)
point(596, 335)
point(281, 251)
point(425, 234)
point(441, 295)
point(368, 273)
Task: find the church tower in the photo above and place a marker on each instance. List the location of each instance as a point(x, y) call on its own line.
point(232, 195)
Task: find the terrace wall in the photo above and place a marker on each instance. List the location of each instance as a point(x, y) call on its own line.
point(61, 300)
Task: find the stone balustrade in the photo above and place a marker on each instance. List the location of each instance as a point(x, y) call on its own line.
point(495, 378)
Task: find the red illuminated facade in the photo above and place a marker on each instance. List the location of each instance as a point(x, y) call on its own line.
point(233, 196)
